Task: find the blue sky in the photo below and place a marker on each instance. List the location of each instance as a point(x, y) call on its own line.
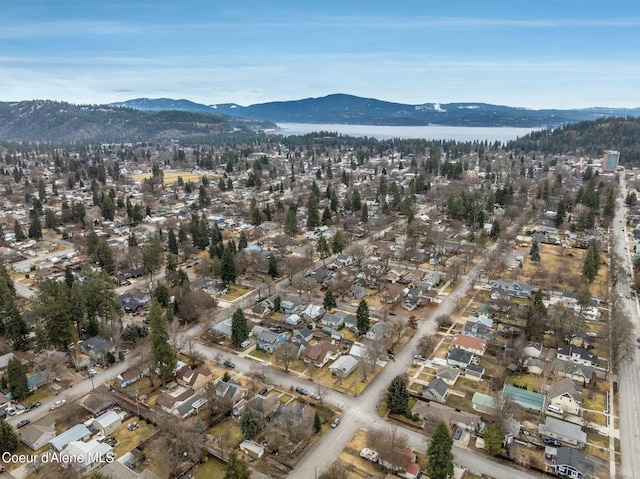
point(530, 53)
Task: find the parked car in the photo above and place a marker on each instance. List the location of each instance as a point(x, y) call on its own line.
point(229, 364)
point(92, 372)
point(32, 406)
point(336, 422)
point(57, 404)
point(133, 426)
point(302, 391)
point(458, 434)
point(419, 357)
point(23, 423)
point(245, 344)
point(552, 442)
point(263, 391)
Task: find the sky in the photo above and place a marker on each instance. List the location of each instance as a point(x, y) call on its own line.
point(525, 53)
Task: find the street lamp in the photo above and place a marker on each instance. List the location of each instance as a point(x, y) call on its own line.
point(137, 403)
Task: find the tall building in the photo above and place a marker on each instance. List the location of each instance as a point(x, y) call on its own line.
point(610, 160)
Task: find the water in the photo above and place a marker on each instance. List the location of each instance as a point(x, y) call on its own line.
point(458, 133)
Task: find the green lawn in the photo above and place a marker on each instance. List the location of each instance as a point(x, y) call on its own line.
point(127, 440)
point(210, 468)
point(235, 291)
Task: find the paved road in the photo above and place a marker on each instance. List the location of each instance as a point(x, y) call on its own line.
point(629, 374)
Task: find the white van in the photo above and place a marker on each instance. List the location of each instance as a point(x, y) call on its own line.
point(554, 409)
point(10, 411)
point(245, 344)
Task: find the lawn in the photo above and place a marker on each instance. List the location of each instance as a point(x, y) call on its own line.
point(230, 433)
point(235, 291)
point(127, 440)
point(595, 417)
point(210, 468)
point(533, 383)
point(172, 176)
point(593, 400)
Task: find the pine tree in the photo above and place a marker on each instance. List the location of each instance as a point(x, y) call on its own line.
point(237, 468)
point(313, 214)
point(326, 216)
point(397, 396)
point(440, 454)
point(151, 257)
point(337, 244)
point(329, 301)
point(17, 379)
point(323, 248)
point(172, 242)
point(535, 251)
point(317, 423)
point(35, 227)
point(273, 266)
point(8, 437)
point(291, 222)
point(239, 328)
point(162, 353)
point(249, 424)
point(364, 213)
point(242, 241)
point(362, 316)
point(228, 266)
point(591, 261)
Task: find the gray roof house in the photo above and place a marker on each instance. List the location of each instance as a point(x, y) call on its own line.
point(437, 390)
point(38, 435)
point(512, 288)
point(97, 346)
point(332, 320)
point(79, 432)
point(378, 331)
point(564, 431)
point(343, 366)
point(578, 372)
point(569, 462)
point(565, 395)
point(577, 355)
point(269, 340)
point(459, 358)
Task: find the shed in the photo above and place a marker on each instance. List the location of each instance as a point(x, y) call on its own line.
point(252, 449)
point(107, 422)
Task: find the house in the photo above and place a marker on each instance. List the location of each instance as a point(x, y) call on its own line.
point(97, 401)
point(343, 366)
point(581, 340)
point(486, 310)
point(412, 299)
point(320, 353)
point(302, 337)
point(459, 358)
point(469, 343)
point(529, 400)
point(229, 391)
point(564, 431)
point(569, 462)
point(313, 313)
point(97, 347)
point(332, 320)
point(196, 379)
point(252, 449)
point(107, 423)
point(477, 329)
point(263, 406)
point(577, 355)
point(223, 328)
point(401, 461)
point(39, 434)
point(484, 404)
point(433, 412)
point(437, 390)
point(79, 432)
point(512, 288)
point(378, 331)
point(131, 375)
point(36, 380)
point(269, 340)
point(564, 394)
point(357, 292)
point(534, 366)
point(88, 455)
point(179, 401)
point(4, 360)
point(448, 374)
point(580, 373)
point(117, 469)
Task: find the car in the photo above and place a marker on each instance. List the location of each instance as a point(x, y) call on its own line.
point(315, 396)
point(552, 442)
point(23, 423)
point(335, 423)
point(57, 404)
point(263, 391)
point(245, 344)
point(92, 372)
point(369, 454)
point(133, 426)
point(419, 357)
point(302, 391)
point(229, 364)
point(458, 434)
point(32, 406)
point(391, 313)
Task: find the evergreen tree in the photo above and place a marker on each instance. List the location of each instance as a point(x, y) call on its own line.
point(397, 396)
point(237, 468)
point(364, 213)
point(495, 230)
point(228, 267)
point(8, 437)
point(249, 424)
point(317, 423)
point(17, 379)
point(16, 330)
point(356, 201)
point(172, 242)
point(35, 227)
point(108, 208)
point(591, 261)
point(329, 301)
point(362, 316)
point(242, 241)
point(326, 216)
point(337, 244)
point(323, 248)
point(313, 213)
point(291, 222)
point(52, 306)
point(493, 439)
point(162, 353)
point(239, 328)
point(535, 251)
point(17, 231)
point(151, 257)
point(273, 266)
point(536, 319)
point(440, 454)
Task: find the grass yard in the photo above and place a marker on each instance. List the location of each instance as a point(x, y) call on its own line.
point(210, 468)
point(230, 433)
point(172, 176)
point(235, 291)
point(595, 417)
point(127, 440)
point(533, 383)
point(593, 400)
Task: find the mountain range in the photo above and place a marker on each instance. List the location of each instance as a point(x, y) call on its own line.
point(354, 110)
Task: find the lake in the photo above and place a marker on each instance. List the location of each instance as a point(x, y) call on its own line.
point(432, 132)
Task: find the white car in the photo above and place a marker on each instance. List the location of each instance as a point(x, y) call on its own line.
point(57, 404)
point(369, 454)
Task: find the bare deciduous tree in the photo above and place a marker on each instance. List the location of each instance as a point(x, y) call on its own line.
point(621, 336)
point(285, 353)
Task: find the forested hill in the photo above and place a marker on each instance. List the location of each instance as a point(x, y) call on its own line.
point(43, 120)
point(589, 138)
